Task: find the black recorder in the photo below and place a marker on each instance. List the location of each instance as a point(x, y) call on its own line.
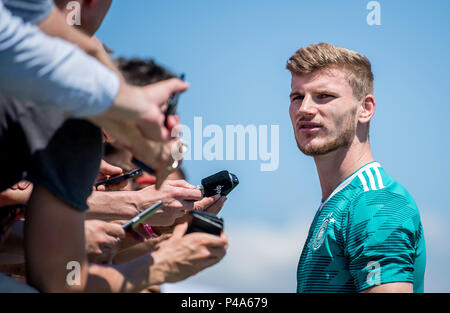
point(220, 183)
point(205, 223)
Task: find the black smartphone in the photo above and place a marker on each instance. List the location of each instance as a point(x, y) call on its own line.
point(138, 219)
point(206, 223)
point(173, 103)
point(221, 183)
point(134, 173)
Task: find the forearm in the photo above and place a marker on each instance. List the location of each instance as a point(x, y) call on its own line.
point(52, 72)
point(138, 250)
point(132, 276)
point(113, 205)
point(54, 236)
point(55, 25)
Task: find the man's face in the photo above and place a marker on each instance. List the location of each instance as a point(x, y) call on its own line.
point(323, 111)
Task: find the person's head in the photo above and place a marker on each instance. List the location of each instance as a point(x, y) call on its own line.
point(331, 101)
point(92, 13)
point(139, 72)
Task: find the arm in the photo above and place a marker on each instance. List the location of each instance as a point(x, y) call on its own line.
point(48, 250)
point(55, 26)
point(175, 259)
point(177, 196)
point(55, 73)
point(37, 67)
point(113, 205)
point(391, 288)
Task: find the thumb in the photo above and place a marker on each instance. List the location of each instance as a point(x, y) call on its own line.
point(174, 85)
point(180, 230)
point(108, 169)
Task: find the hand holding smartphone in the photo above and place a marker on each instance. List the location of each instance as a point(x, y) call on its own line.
point(141, 217)
point(119, 179)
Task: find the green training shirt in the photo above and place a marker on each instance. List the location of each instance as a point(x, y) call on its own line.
point(367, 232)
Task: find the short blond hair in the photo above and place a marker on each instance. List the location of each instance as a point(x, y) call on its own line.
point(324, 55)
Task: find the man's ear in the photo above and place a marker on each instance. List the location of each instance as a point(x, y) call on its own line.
point(367, 109)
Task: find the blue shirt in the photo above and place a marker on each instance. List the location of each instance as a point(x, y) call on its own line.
point(50, 71)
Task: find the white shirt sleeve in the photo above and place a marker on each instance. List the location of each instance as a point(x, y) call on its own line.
point(32, 11)
point(50, 71)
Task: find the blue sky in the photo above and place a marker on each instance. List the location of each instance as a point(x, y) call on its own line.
point(234, 53)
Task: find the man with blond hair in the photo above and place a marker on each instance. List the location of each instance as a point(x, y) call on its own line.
point(367, 234)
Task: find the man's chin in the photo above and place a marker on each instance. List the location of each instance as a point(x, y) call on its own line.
point(318, 150)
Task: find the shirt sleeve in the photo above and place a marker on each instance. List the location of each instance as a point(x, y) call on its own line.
point(32, 11)
point(381, 236)
point(50, 71)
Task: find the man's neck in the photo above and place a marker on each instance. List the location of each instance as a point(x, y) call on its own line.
point(335, 166)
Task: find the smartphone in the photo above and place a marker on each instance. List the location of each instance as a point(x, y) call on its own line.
point(121, 178)
point(138, 219)
point(206, 223)
point(173, 103)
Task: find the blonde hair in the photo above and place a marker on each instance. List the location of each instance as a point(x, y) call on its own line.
point(324, 55)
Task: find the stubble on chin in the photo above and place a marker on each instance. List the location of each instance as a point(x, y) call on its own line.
point(342, 139)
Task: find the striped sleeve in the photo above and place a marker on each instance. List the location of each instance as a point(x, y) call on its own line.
point(380, 241)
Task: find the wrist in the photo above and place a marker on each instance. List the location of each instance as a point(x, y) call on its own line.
point(159, 269)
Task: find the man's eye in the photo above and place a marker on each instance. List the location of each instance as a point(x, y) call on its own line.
point(296, 98)
point(324, 96)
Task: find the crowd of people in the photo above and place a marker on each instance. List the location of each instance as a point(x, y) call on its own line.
point(70, 116)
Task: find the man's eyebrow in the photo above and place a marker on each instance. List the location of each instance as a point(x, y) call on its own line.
point(295, 93)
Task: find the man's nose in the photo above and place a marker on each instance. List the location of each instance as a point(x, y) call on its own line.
point(308, 106)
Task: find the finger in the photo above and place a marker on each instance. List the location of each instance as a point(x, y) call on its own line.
point(23, 184)
point(216, 206)
point(180, 230)
point(114, 230)
point(172, 86)
point(217, 253)
point(205, 203)
point(181, 183)
point(101, 188)
point(189, 194)
point(187, 205)
point(209, 240)
point(119, 222)
point(152, 127)
point(108, 169)
point(161, 176)
point(118, 186)
point(172, 122)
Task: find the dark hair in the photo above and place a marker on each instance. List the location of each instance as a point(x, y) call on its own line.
point(139, 72)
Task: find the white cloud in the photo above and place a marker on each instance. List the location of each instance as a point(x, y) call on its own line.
point(260, 258)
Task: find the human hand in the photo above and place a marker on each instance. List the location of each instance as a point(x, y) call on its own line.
point(136, 122)
point(102, 240)
point(108, 171)
point(182, 255)
point(177, 196)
